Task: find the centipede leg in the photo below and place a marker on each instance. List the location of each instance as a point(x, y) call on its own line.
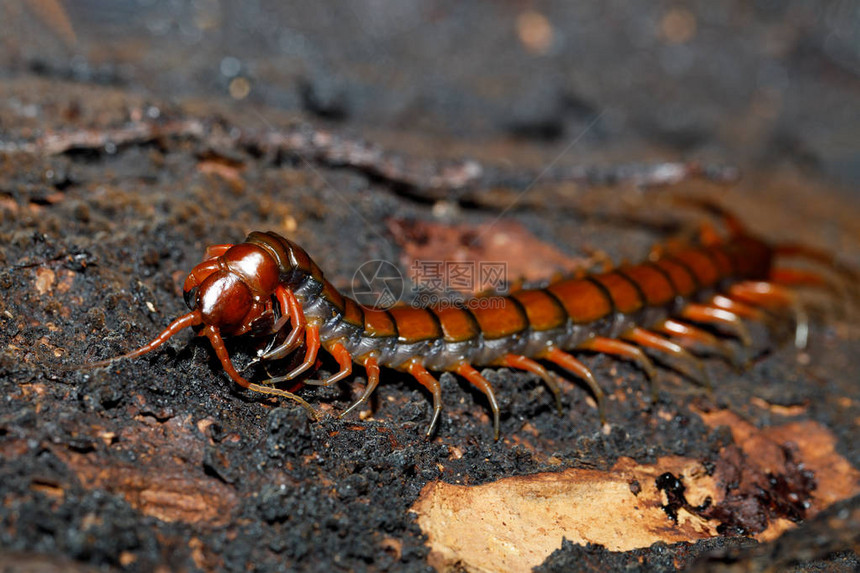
point(685, 361)
point(289, 307)
point(619, 348)
point(428, 381)
point(800, 277)
point(344, 360)
point(474, 377)
point(698, 340)
point(738, 308)
point(570, 363)
point(312, 337)
point(790, 277)
point(529, 365)
point(214, 336)
point(768, 294)
point(850, 277)
point(371, 365)
point(719, 317)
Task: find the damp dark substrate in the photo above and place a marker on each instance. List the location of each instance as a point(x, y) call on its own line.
point(127, 223)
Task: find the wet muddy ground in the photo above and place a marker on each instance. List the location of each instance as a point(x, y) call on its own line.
point(109, 194)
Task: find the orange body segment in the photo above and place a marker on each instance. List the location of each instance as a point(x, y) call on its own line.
point(654, 284)
point(379, 323)
point(723, 262)
point(626, 296)
point(583, 300)
point(415, 324)
point(701, 265)
point(683, 280)
point(501, 316)
point(353, 313)
point(543, 310)
point(458, 324)
point(333, 296)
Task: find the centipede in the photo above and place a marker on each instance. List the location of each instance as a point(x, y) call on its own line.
point(680, 304)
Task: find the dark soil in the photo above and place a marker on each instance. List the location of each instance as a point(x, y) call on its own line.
point(119, 166)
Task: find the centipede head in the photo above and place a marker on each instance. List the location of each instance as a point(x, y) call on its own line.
point(232, 292)
point(228, 294)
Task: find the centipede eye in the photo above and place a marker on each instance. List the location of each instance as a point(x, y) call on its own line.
point(191, 297)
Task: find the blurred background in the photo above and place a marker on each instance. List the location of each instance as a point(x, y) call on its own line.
point(745, 82)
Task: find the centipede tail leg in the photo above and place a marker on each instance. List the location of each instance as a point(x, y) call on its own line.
point(529, 365)
point(474, 377)
point(790, 277)
point(344, 360)
point(214, 336)
point(570, 363)
point(800, 277)
point(619, 348)
point(717, 317)
point(291, 307)
point(698, 341)
point(371, 365)
point(851, 276)
point(685, 362)
point(428, 381)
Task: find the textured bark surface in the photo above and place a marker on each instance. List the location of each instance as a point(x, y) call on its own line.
point(122, 157)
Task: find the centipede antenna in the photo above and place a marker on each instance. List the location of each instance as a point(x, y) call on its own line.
point(193, 318)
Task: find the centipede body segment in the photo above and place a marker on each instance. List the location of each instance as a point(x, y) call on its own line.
point(654, 308)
